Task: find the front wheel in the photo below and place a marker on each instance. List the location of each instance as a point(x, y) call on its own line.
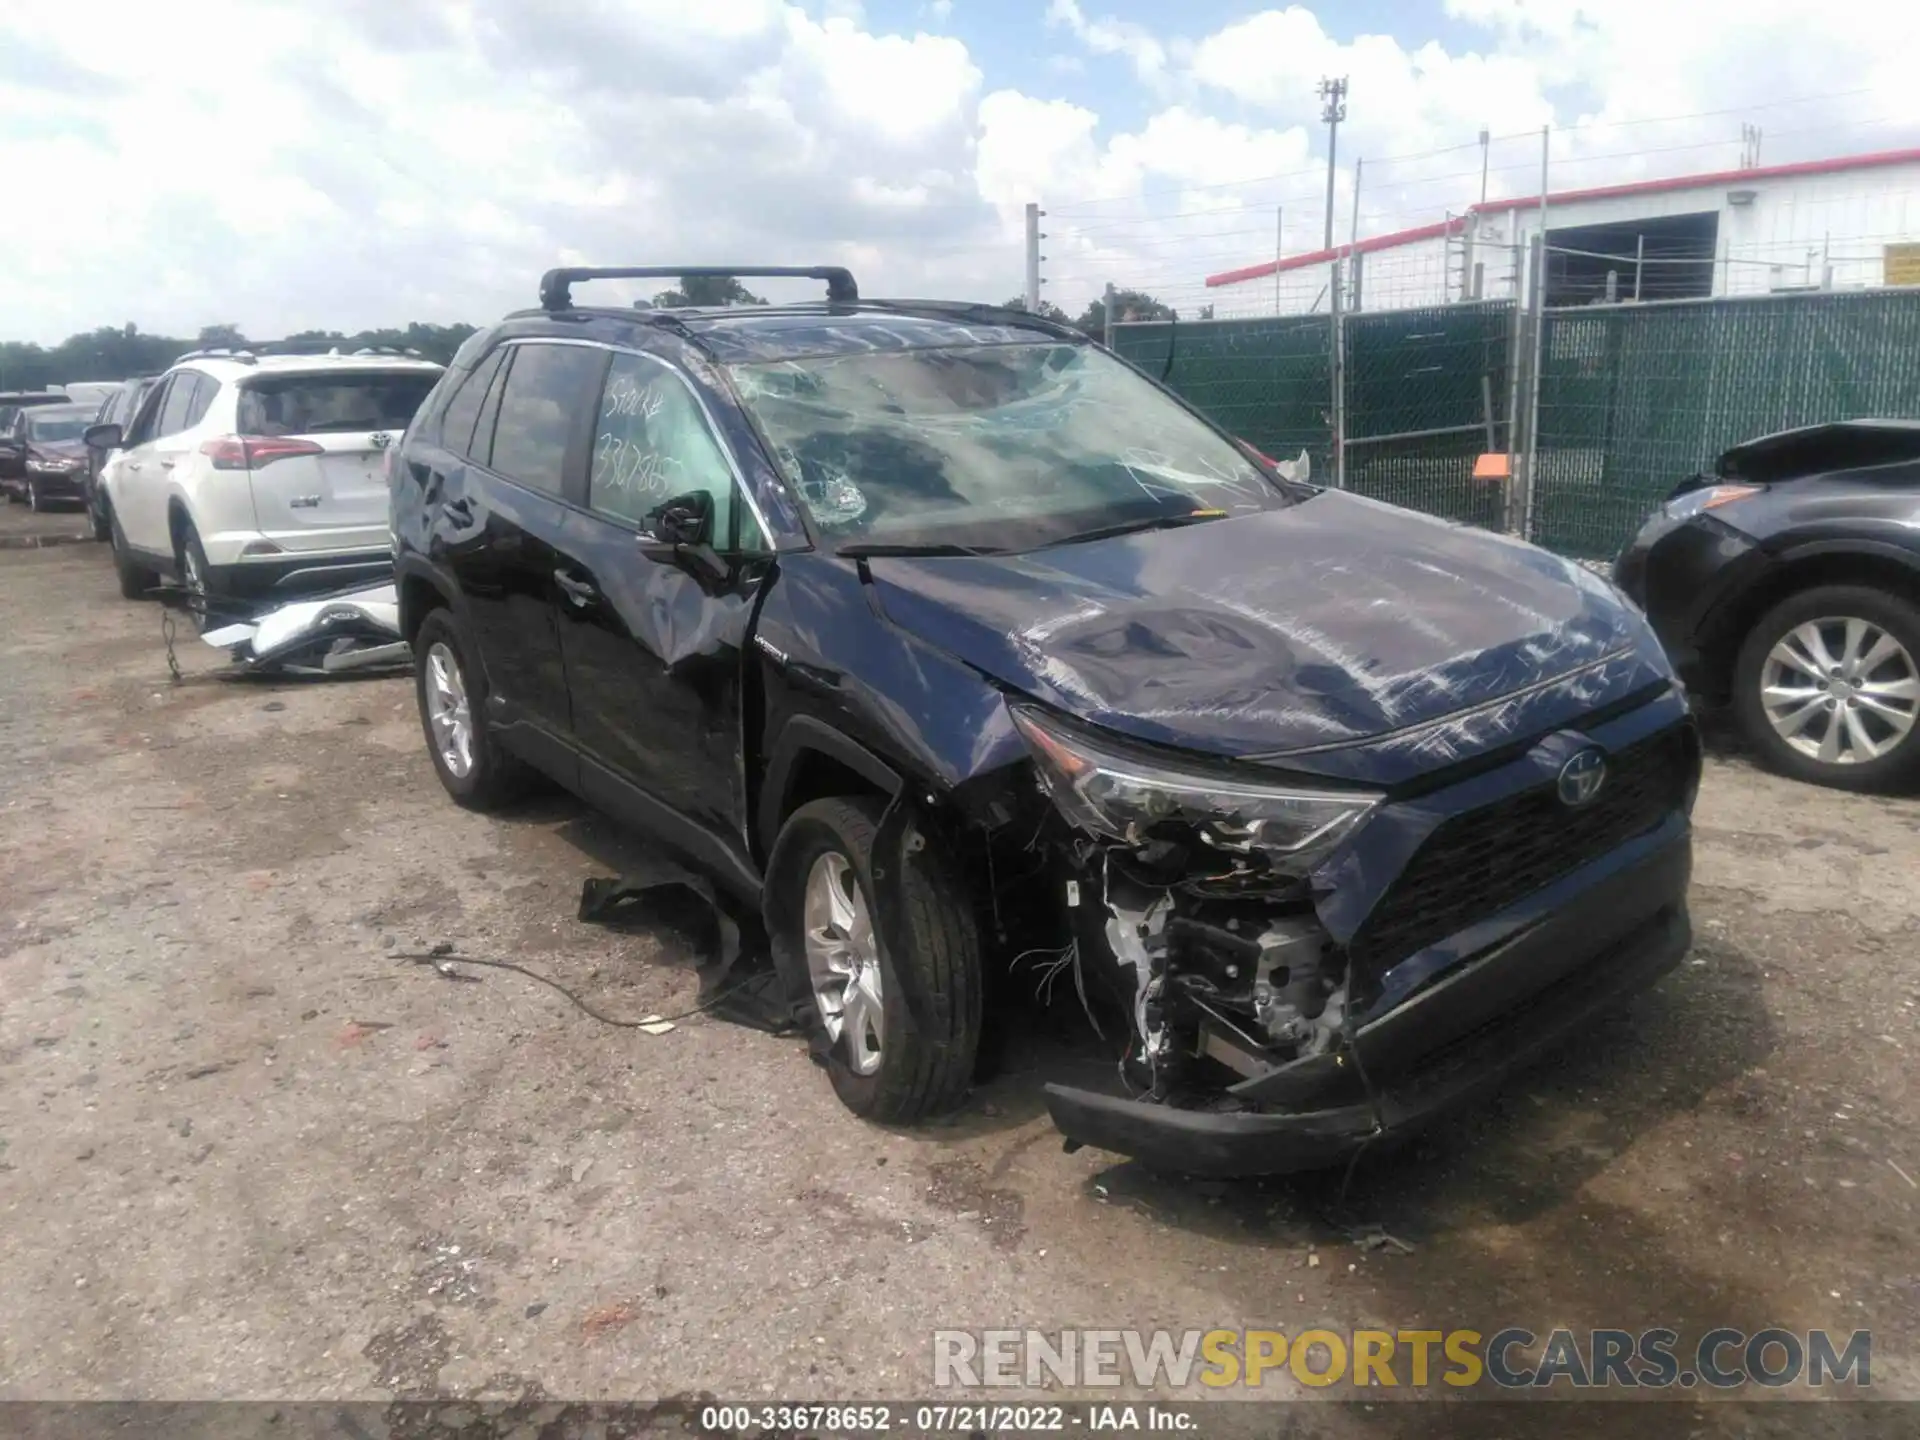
point(1827, 688)
point(136, 580)
point(824, 902)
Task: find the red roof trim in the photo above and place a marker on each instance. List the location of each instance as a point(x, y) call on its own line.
point(1320, 257)
point(1838, 165)
point(1715, 177)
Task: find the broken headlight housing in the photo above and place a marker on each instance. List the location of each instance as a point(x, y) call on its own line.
point(1124, 796)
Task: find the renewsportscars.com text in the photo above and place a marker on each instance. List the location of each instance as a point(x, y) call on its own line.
point(1508, 1359)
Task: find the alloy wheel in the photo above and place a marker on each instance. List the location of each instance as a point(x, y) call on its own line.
point(843, 960)
point(448, 712)
point(1840, 690)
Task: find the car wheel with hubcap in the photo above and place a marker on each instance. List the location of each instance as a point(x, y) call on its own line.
point(823, 910)
point(1827, 687)
point(451, 690)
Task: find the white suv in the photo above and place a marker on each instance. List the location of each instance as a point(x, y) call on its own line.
point(243, 474)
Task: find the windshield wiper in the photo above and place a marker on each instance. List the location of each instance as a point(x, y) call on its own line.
point(1147, 522)
point(866, 550)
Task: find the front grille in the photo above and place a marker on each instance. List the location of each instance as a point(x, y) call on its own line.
point(1477, 864)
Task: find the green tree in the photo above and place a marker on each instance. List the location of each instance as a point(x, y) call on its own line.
point(1047, 311)
point(221, 337)
point(707, 290)
point(1127, 305)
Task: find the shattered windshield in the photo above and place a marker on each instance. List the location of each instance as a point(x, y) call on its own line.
point(994, 447)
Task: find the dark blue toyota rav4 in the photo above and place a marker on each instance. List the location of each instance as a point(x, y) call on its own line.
point(952, 644)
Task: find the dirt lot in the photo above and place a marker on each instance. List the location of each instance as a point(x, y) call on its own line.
point(244, 1152)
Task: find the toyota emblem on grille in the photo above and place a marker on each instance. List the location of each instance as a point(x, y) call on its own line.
point(1581, 777)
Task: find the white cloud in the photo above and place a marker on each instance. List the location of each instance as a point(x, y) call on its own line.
point(294, 163)
point(1112, 37)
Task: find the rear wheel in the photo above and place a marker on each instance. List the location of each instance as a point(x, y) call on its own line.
point(452, 691)
point(1827, 688)
point(136, 580)
point(197, 578)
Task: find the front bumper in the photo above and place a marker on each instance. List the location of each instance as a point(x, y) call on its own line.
point(1679, 572)
point(57, 484)
point(1617, 927)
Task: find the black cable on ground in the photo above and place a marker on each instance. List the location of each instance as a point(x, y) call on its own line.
point(437, 959)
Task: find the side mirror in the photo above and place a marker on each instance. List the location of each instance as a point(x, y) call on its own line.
point(683, 520)
point(680, 531)
point(103, 437)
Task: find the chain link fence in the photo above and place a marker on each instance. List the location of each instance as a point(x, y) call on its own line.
point(1631, 398)
point(1426, 391)
point(1268, 381)
point(1634, 398)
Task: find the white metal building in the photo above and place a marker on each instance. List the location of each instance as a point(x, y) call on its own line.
point(1846, 223)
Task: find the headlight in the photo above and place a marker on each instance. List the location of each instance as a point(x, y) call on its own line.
point(1125, 796)
point(1708, 497)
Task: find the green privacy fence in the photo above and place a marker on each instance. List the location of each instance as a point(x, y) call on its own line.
point(1426, 390)
point(1634, 398)
point(1631, 398)
point(1268, 381)
point(1421, 387)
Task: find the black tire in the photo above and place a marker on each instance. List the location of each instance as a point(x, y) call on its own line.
point(1896, 770)
point(204, 585)
point(921, 1072)
point(97, 517)
point(14, 497)
point(494, 778)
point(136, 580)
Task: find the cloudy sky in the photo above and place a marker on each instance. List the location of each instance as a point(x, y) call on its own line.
point(286, 164)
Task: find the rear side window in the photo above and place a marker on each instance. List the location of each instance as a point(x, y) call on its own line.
point(457, 422)
point(205, 387)
point(179, 402)
point(353, 404)
point(546, 390)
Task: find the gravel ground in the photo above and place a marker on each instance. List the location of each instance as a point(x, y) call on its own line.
point(244, 1152)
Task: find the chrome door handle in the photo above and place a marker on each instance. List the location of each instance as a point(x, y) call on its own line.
point(166, 464)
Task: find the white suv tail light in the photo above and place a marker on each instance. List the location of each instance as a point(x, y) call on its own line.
point(255, 452)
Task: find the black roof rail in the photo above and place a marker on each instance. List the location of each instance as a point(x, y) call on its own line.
point(977, 311)
point(556, 286)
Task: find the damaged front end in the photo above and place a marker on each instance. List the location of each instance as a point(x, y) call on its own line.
point(1261, 1040)
point(1196, 893)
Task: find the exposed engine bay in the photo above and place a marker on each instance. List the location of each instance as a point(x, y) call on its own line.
point(1190, 912)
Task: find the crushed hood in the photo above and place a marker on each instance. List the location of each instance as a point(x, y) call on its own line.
point(1323, 624)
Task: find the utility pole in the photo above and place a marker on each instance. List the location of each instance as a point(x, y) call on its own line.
point(1333, 109)
point(1749, 146)
point(1279, 251)
point(1486, 143)
point(1034, 212)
